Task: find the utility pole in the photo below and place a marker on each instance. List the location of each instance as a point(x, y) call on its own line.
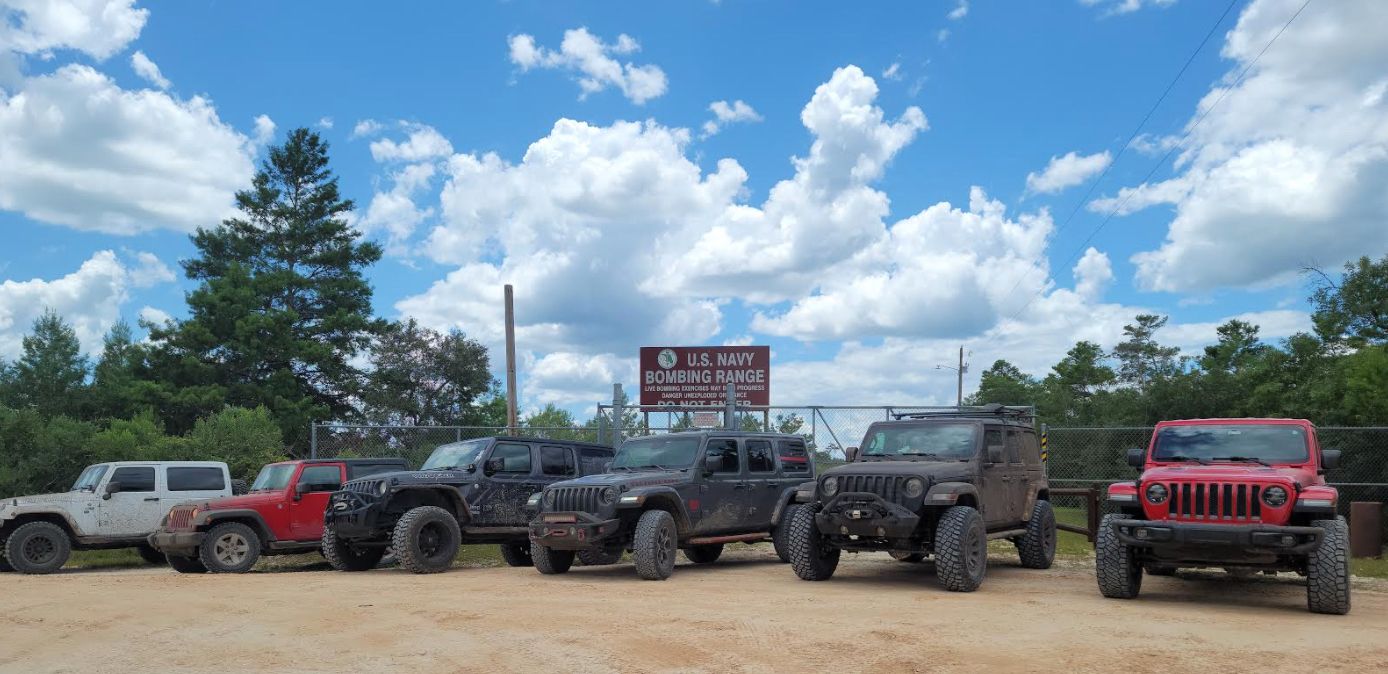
point(959, 374)
point(510, 361)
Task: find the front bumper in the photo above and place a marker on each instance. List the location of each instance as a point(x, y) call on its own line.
point(866, 515)
point(179, 543)
point(572, 530)
point(353, 516)
point(1164, 534)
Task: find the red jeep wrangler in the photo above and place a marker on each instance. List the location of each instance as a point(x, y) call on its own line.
point(282, 515)
point(1243, 494)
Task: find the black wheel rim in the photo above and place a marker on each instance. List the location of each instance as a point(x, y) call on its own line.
point(975, 550)
point(40, 550)
point(664, 547)
point(431, 539)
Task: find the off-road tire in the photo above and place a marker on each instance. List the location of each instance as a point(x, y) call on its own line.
point(1037, 547)
point(4, 564)
point(1327, 570)
point(517, 554)
point(908, 557)
point(38, 548)
point(780, 535)
point(1115, 565)
point(704, 554)
point(811, 556)
point(240, 487)
point(150, 555)
point(229, 547)
point(655, 545)
point(344, 557)
point(550, 561)
point(426, 540)
point(961, 549)
point(599, 557)
point(185, 564)
point(1166, 571)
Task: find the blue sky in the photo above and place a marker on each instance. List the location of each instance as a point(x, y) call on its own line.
point(865, 209)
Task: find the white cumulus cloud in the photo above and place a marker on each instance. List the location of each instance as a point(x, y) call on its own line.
point(422, 143)
point(729, 113)
point(592, 61)
point(99, 28)
point(1067, 171)
point(148, 70)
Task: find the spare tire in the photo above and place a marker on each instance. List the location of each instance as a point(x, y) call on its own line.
point(240, 487)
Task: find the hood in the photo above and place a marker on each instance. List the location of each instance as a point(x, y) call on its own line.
point(1231, 472)
point(251, 501)
point(423, 477)
point(628, 479)
point(935, 471)
point(49, 499)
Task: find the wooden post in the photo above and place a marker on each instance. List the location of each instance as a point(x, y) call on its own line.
point(511, 423)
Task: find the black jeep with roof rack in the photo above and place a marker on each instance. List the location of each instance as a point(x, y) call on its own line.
point(939, 483)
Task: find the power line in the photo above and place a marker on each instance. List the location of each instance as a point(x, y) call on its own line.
point(1093, 184)
point(1162, 162)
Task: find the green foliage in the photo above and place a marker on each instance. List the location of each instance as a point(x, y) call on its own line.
point(141, 438)
point(245, 439)
point(282, 308)
point(1004, 383)
point(50, 377)
point(41, 454)
point(1354, 311)
point(421, 377)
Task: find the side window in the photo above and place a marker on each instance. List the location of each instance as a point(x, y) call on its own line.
point(594, 460)
point(759, 458)
point(134, 478)
point(195, 479)
point(514, 458)
point(557, 461)
point(993, 445)
point(727, 449)
point(328, 475)
point(794, 459)
point(1014, 446)
point(356, 470)
point(1031, 448)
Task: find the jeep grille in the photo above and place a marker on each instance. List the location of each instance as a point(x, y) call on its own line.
point(1214, 501)
point(180, 517)
point(362, 487)
point(889, 487)
point(576, 499)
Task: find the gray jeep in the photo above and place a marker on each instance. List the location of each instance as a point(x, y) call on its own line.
point(940, 483)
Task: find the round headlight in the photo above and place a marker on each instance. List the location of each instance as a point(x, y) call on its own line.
point(607, 496)
point(915, 487)
point(1156, 493)
point(830, 486)
point(1275, 497)
point(382, 487)
point(549, 497)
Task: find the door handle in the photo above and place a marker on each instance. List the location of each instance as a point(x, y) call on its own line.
point(152, 499)
point(740, 485)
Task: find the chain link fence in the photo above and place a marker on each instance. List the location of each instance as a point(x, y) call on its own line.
point(416, 443)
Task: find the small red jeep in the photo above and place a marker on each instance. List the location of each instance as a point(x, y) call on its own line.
point(1243, 494)
point(282, 515)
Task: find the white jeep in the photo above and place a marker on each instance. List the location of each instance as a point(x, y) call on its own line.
point(111, 505)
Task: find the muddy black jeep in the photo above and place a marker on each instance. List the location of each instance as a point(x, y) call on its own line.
point(467, 492)
point(695, 491)
point(940, 483)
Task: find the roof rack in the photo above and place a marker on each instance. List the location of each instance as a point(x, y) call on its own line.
point(1014, 412)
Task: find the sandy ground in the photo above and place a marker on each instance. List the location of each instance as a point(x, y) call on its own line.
point(744, 613)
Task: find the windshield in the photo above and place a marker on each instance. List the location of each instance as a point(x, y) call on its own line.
point(657, 452)
point(921, 442)
point(454, 455)
point(273, 477)
point(1234, 442)
point(89, 478)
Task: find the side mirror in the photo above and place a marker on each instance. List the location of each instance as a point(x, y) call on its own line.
point(995, 454)
point(111, 488)
point(1330, 459)
point(1136, 456)
point(850, 454)
point(495, 465)
point(607, 466)
point(713, 464)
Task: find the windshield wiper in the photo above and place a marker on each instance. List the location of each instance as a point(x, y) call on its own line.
point(928, 455)
point(1243, 459)
point(1182, 457)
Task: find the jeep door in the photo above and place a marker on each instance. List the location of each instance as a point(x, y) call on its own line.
point(995, 479)
point(137, 508)
point(723, 495)
point(306, 509)
point(499, 500)
point(557, 463)
point(764, 484)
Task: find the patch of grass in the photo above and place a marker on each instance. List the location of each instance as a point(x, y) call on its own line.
point(1370, 567)
point(104, 559)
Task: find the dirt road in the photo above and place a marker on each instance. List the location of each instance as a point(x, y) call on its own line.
point(748, 613)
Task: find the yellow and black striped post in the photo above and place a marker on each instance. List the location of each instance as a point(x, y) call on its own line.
point(1045, 450)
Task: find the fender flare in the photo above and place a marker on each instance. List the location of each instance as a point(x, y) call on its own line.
point(949, 493)
point(450, 493)
point(664, 495)
point(210, 518)
point(43, 514)
point(788, 497)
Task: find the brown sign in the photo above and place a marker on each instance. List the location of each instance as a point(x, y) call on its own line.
point(699, 375)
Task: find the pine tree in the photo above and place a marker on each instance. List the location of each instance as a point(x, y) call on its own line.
point(50, 377)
